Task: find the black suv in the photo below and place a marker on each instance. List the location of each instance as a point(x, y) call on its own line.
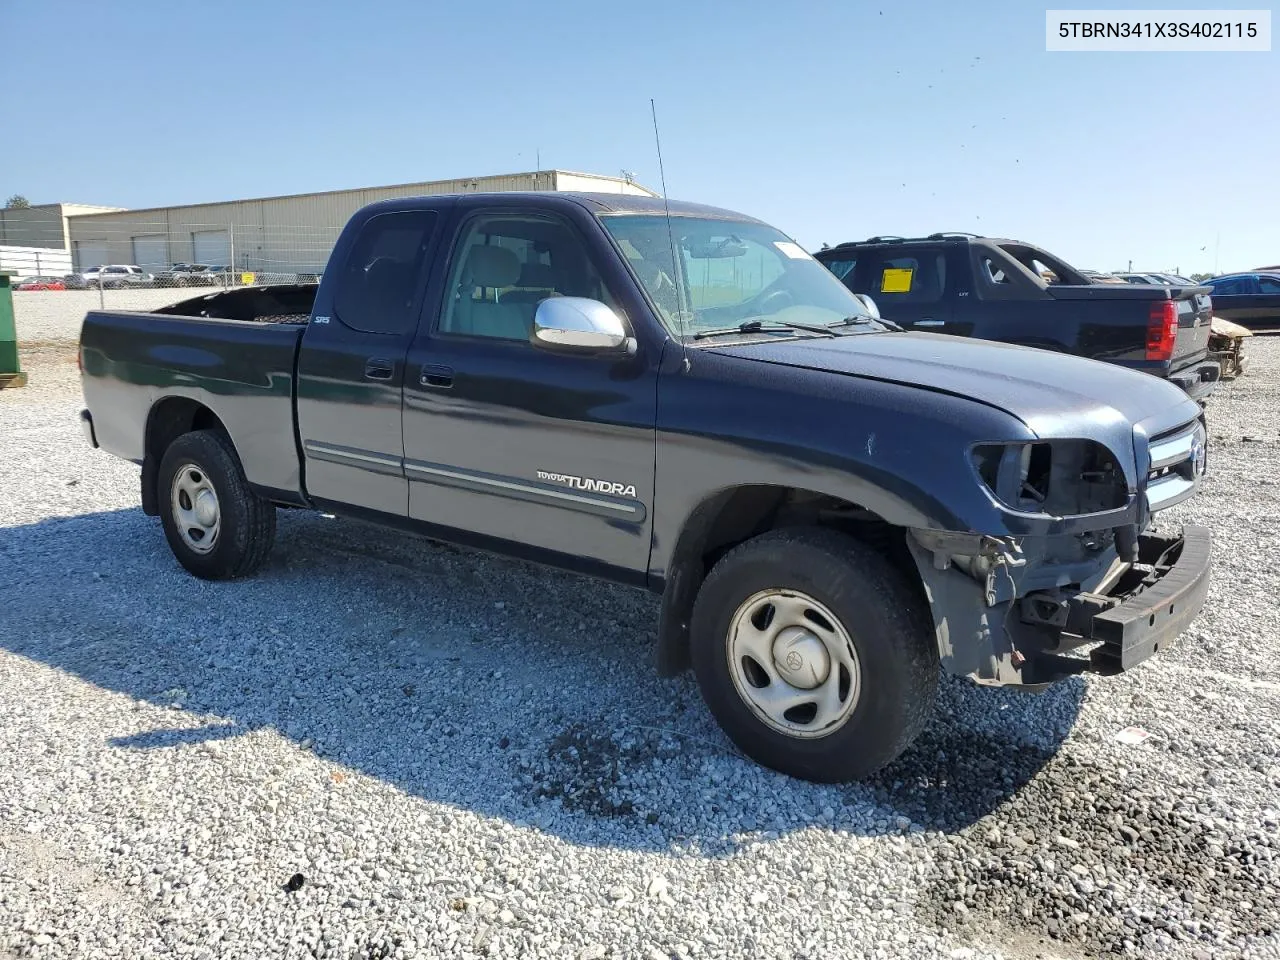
point(1015, 292)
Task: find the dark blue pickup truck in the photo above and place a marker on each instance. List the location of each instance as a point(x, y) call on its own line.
point(681, 399)
point(1014, 292)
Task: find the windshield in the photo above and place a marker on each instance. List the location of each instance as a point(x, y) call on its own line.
point(729, 272)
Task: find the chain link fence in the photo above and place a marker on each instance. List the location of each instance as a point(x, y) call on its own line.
point(122, 254)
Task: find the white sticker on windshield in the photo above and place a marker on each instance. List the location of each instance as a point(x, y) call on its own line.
point(792, 250)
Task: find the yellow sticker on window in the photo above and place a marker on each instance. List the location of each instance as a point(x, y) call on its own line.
point(896, 280)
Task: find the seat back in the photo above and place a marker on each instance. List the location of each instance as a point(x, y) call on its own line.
point(486, 268)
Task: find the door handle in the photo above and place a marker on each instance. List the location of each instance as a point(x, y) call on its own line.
point(436, 375)
point(375, 368)
point(928, 323)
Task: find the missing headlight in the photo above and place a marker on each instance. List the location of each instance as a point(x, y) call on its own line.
point(1056, 477)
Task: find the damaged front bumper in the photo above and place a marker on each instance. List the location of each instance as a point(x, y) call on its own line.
point(1022, 612)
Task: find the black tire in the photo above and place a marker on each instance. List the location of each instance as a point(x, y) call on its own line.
point(884, 617)
point(246, 522)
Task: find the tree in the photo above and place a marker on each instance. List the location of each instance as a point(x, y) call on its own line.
point(17, 202)
point(1197, 277)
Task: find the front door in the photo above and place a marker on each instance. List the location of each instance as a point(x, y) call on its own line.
point(351, 365)
point(505, 441)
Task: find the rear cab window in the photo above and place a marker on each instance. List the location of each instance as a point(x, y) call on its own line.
point(920, 277)
point(379, 282)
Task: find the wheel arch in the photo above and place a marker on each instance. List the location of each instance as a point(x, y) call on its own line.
point(168, 419)
point(732, 515)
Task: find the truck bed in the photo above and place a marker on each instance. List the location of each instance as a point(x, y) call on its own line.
point(1193, 305)
point(282, 303)
point(233, 352)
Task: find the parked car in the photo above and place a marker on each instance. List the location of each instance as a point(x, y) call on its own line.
point(115, 276)
point(994, 289)
point(829, 509)
point(40, 283)
point(183, 275)
point(168, 277)
point(1097, 276)
point(1249, 299)
point(220, 276)
point(75, 281)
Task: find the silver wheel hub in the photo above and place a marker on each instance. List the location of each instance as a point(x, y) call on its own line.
point(793, 663)
point(801, 658)
point(194, 506)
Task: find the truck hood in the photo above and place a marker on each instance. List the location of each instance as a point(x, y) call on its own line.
point(1054, 394)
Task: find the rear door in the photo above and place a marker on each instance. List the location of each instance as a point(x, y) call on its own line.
point(352, 362)
point(910, 287)
point(211, 246)
point(1265, 310)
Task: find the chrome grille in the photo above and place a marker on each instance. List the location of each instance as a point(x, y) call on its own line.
point(1178, 462)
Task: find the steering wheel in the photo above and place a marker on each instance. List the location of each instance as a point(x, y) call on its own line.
point(774, 302)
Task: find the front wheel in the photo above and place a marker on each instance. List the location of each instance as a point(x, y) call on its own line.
point(217, 527)
point(814, 654)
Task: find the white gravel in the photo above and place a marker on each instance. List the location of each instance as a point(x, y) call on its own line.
point(44, 316)
point(380, 747)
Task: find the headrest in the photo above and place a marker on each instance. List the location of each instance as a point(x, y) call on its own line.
point(492, 267)
point(539, 275)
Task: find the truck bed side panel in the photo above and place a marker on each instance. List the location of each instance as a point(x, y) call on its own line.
point(1116, 300)
point(243, 372)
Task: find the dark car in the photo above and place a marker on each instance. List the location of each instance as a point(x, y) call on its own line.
point(219, 275)
point(1015, 292)
point(1249, 299)
point(181, 275)
point(680, 398)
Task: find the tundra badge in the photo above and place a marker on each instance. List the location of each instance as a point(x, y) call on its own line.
point(587, 483)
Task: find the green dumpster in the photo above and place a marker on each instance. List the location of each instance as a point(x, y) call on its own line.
point(10, 373)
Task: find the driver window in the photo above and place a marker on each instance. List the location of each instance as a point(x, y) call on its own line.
point(504, 265)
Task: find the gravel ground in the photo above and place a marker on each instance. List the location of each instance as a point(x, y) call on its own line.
point(380, 747)
point(52, 315)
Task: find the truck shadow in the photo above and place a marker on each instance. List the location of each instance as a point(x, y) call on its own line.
point(469, 680)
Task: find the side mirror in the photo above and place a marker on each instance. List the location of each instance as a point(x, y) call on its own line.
point(580, 325)
point(869, 304)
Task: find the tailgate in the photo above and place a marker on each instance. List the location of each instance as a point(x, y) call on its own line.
point(1194, 316)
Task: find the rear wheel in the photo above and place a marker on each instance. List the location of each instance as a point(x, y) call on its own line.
point(217, 527)
point(814, 654)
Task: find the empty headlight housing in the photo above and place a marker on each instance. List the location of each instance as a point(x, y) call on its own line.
point(1054, 477)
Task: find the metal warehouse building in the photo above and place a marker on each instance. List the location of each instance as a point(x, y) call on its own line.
point(286, 235)
point(43, 225)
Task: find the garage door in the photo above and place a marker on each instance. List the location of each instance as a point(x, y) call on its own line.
point(151, 252)
point(212, 247)
point(90, 253)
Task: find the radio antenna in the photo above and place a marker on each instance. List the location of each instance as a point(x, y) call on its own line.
point(671, 236)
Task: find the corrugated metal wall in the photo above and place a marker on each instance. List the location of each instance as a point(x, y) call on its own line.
point(295, 234)
point(35, 261)
point(39, 226)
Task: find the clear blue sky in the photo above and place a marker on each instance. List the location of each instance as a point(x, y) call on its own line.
point(833, 120)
